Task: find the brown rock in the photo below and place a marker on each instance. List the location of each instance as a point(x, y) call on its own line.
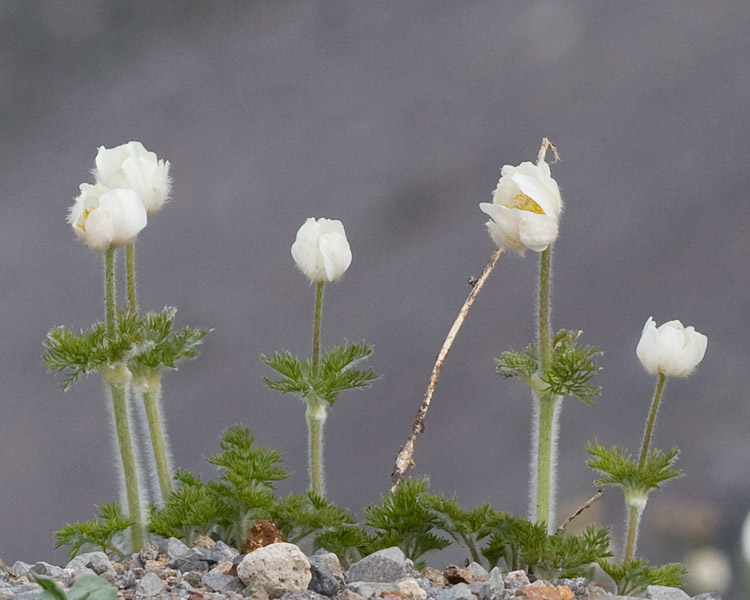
point(547, 592)
point(454, 574)
point(263, 533)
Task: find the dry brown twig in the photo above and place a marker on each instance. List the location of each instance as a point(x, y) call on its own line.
point(405, 457)
point(586, 505)
point(404, 460)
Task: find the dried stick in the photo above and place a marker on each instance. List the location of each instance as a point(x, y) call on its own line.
point(404, 460)
point(586, 505)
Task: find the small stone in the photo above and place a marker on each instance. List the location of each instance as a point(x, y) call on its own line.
point(126, 580)
point(348, 594)
point(53, 572)
point(221, 552)
point(371, 589)
point(435, 577)
point(327, 574)
point(148, 552)
point(546, 592)
point(203, 541)
point(494, 587)
point(662, 592)
point(382, 566)
point(708, 596)
point(454, 574)
point(176, 552)
point(21, 569)
point(194, 564)
point(263, 533)
point(98, 562)
point(579, 585)
point(515, 580)
point(478, 571)
point(222, 583)
point(409, 590)
point(271, 571)
point(149, 586)
point(460, 591)
point(303, 595)
point(192, 577)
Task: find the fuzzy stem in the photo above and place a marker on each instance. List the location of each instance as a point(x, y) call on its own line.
point(546, 433)
point(109, 292)
point(130, 265)
point(119, 404)
point(545, 266)
point(316, 417)
point(151, 393)
point(316, 327)
point(635, 504)
point(651, 420)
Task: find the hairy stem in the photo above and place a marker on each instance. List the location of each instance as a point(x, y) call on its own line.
point(127, 455)
point(316, 327)
point(151, 394)
point(130, 266)
point(109, 292)
point(546, 433)
point(635, 506)
point(651, 420)
point(545, 266)
point(316, 417)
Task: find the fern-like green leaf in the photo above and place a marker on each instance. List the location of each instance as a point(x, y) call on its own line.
point(633, 576)
point(618, 467)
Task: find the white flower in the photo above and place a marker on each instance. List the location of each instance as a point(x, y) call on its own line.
point(525, 208)
point(321, 250)
point(670, 349)
point(103, 218)
point(131, 166)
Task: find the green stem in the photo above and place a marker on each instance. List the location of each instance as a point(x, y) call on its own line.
point(109, 292)
point(651, 420)
point(151, 393)
point(635, 504)
point(122, 427)
point(316, 327)
point(546, 416)
point(130, 265)
point(316, 417)
point(545, 266)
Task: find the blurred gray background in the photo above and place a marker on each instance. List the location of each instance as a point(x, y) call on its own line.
point(394, 117)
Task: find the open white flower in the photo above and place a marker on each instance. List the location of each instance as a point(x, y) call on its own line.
point(131, 166)
point(321, 250)
point(103, 218)
point(670, 349)
point(525, 208)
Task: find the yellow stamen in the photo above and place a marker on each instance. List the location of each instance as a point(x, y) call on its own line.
point(84, 216)
point(524, 202)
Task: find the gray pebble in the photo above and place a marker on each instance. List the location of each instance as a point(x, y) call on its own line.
point(176, 551)
point(327, 574)
point(98, 562)
point(460, 591)
point(126, 580)
point(478, 571)
point(371, 589)
point(579, 586)
point(382, 566)
point(149, 586)
point(222, 583)
point(708, 596)
point(660, 592)
point(348, 594)
point(303, 595)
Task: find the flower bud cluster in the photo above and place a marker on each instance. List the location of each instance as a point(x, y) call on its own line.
point(131, 183)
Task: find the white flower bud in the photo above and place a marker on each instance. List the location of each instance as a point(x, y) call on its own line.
point(321, 250)
point(104, 218)
point(131, 166)
point(670, 349)
point(525, 208)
